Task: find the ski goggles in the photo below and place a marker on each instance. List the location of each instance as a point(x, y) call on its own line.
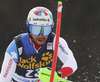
point(44, 30)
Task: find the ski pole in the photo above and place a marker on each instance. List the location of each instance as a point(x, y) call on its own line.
point(59, 12)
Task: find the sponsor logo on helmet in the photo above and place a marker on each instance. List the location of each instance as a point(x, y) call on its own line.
point(37, 19)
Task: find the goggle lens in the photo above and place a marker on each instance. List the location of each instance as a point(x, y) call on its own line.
point(44, 30)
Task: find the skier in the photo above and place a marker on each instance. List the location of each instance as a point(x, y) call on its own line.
point(30, 54)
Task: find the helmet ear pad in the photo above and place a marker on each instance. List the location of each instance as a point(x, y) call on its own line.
point(27, 24)
point(29, 33)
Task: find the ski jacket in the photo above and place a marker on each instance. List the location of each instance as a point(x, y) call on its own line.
point(23, 60)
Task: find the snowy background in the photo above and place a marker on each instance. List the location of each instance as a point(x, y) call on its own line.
point(80, 28)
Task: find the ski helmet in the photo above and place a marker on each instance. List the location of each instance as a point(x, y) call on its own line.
point(39, 16)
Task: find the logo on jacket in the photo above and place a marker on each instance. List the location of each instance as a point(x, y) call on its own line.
point(35, 62)
point(46, 56)
point(63, 49)
point(13, 55)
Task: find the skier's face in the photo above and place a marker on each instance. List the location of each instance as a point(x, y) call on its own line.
point(40, 40)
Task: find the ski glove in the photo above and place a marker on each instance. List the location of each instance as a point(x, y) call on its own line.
point(44, 75)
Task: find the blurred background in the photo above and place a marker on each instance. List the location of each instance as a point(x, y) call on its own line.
point(80, 27)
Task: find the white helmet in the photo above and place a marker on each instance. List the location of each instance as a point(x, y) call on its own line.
point(39, 16)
